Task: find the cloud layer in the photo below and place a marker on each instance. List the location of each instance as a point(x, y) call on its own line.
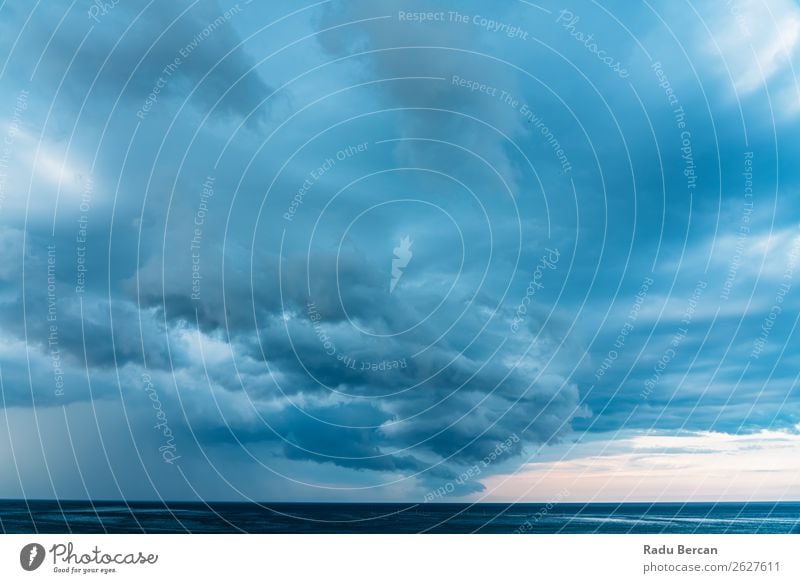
point(343, 251)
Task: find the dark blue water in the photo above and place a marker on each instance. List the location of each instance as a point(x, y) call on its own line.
point(137, 517)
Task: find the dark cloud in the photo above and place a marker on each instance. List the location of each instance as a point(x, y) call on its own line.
point(309, 348)
point(124, 53)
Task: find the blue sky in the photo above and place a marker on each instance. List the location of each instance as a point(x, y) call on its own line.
point(387, 250)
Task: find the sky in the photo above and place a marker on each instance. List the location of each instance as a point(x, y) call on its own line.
point(395, 250)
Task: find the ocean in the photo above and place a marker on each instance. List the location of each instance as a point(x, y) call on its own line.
point(80, 517)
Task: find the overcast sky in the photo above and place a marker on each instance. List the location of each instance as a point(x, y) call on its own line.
point(399, 250)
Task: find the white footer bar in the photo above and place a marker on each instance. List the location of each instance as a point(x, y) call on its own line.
point(400, 558)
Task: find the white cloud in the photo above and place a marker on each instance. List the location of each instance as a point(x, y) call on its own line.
point(689, 467)
point(40, 174)
point(759, 40)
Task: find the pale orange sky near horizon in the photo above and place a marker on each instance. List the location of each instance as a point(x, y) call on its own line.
point(666, 468)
